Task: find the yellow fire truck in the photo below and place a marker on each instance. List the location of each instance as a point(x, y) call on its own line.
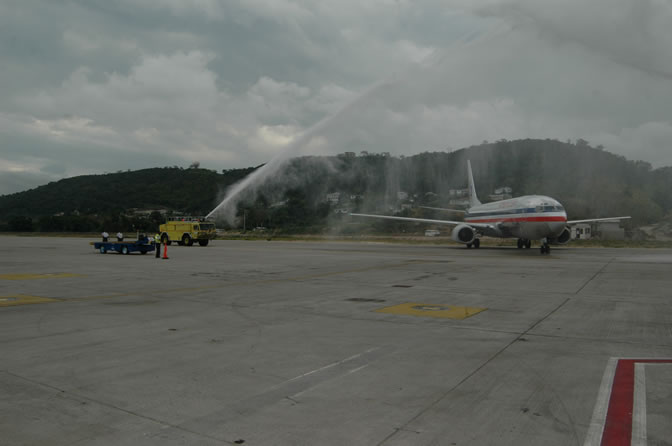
point(187, 231)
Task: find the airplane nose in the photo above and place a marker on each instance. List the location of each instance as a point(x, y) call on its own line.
point(556, 227)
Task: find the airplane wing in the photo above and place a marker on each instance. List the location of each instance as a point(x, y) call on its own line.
point(427, 220)
point(457, 211)
point(590, 220)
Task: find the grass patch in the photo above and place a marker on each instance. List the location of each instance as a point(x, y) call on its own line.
point(415, 239)
point(422, 240)
point(621, 243)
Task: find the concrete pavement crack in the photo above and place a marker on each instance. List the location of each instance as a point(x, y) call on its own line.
point(468, 377)
point(75, 396)
point(595, 275)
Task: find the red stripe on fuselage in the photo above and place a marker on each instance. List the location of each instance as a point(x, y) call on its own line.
point(513, 219)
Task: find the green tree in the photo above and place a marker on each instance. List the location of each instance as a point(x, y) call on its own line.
point(20, 224)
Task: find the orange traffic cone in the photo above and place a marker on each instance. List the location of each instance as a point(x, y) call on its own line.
point(165, 251)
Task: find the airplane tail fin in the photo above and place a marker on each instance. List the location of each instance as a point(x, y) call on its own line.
point(473, 199)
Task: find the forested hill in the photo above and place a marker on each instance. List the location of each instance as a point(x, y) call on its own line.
point(590, 182)
point(190, 190)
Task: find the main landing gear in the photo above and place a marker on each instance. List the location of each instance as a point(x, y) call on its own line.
point(522, 243)
point(544, 249)
point(476, 244)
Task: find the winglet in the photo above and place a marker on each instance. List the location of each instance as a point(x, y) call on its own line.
point(473, 199)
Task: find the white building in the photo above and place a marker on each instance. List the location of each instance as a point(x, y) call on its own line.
point(581, 231)
point(501, 193)
point(334, 197)
point(609, 230)
point(459, 202)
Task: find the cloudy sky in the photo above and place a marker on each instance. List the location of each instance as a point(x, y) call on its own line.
point(93, 86)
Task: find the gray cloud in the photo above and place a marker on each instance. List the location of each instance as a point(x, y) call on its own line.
point(94, 86)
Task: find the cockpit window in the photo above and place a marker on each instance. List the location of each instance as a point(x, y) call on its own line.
point(550, 208)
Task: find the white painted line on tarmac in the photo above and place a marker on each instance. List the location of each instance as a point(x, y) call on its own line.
point(357, 369)
point(639, 407)
point(333, 364)
point(594, 436)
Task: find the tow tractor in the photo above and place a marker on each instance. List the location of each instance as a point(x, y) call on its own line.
point(142, 245)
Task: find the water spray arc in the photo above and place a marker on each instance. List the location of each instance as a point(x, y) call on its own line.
point(304, 139)
point(255, 179)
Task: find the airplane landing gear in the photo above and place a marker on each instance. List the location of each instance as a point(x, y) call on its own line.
point(476, 244)
point(545, 247)
point(522, 243)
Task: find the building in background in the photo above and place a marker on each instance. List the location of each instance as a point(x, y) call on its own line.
point(501, 193)
point(458, 197)
point(609, 230)
point(581, 231)
point(334, 197)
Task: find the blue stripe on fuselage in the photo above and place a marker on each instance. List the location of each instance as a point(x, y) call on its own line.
point(515, 211)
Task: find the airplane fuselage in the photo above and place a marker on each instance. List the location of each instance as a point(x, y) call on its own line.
point(531, 217)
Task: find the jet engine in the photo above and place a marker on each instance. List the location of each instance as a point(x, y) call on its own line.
point(463, 234)
point(563, 238)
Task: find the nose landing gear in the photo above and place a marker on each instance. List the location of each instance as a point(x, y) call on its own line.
point(522, 243)
point(545, 247)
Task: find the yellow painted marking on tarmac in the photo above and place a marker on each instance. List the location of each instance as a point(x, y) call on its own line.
point(23, 299)
point(219, 284)
point(104, 296)
point(37, 276)
point(432, 310)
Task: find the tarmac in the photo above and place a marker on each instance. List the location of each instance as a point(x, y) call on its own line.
point(333, 343)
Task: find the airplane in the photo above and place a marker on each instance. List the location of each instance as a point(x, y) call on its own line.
point(527, 218)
